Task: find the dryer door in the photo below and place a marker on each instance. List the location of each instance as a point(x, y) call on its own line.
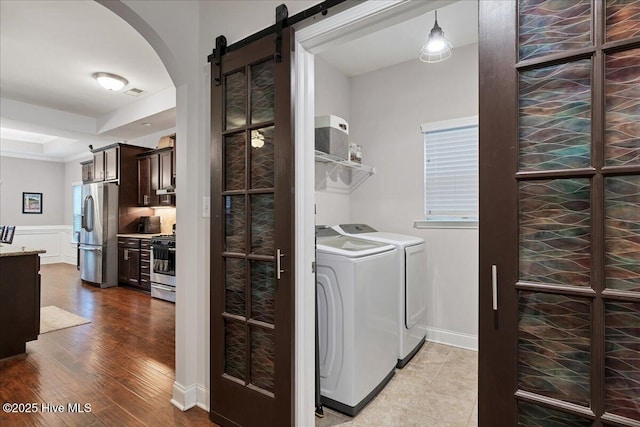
point(415, 285)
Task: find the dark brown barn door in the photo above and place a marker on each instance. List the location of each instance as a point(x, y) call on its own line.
point(559, 213)
point(252, 235)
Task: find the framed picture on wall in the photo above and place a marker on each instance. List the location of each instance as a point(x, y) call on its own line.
point(31, 203)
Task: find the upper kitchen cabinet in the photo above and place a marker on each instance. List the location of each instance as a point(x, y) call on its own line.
point(87, 171)
point(105, 164)
point(118, 163)
point(147, 180)
point(166, 169)
point(156, 178)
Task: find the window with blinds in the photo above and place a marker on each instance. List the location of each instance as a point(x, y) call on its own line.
point(77, 213)
point(451, 170)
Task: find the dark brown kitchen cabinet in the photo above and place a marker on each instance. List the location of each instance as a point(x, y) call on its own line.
point(166, 176)
point(106, 164)
point(156, 172)
point(19, 302)
point(118, 163)
point(129, 261)
point(87, 171)
point(145, 264)
point(148, 180)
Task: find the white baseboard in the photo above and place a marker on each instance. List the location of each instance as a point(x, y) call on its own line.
point(203, 397)
point(456, 339)
point(184, 397)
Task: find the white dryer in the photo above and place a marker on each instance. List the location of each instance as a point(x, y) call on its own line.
point(411, 286)
point(357, 307)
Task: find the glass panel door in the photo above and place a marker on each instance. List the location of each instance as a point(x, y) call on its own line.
point(560, 213)
point(249, 251)
point(252, 300)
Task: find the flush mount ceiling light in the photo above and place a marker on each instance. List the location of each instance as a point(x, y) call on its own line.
point(437, 48)
point(110, 81)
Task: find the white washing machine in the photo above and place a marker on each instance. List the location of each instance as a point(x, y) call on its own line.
point(357, 307)
point(411, 288)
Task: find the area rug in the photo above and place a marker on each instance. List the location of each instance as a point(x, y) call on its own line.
point(53, 318)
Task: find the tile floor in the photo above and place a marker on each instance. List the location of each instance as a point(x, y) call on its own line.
point(437, 388)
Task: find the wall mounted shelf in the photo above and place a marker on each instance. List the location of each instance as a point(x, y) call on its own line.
point(359, 172)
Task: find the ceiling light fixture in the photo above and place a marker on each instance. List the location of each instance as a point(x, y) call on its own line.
point(110, 81)
point(437, 48)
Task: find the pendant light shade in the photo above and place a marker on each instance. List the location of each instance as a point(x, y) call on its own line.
point(436, 48)
point(110, 81)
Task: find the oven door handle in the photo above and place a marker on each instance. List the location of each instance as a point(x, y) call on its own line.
point(163, 287)
point(169, 249)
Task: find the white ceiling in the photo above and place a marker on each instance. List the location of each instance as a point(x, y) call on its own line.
point(402, 42)
point(49, 50)
point(48, 53)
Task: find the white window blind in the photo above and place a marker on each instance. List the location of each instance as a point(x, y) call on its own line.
point(451, 172)
point(77, 212)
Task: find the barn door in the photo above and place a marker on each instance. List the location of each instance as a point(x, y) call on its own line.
point(252, 235)
point(559, 213)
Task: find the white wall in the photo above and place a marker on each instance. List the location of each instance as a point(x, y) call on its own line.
point(387, 108)
point(18, 175)
point(331, 97)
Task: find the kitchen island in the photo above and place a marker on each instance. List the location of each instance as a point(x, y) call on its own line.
point(19, 298)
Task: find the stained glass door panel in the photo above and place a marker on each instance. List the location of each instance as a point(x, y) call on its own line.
point(559, 195)
point(560, 213)
point(249, 226)
point(251, 239)
point(622, 19)
point(622, 96)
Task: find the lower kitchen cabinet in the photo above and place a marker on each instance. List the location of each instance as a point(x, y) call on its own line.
point(129, 261)
point(145, 264)
point(134, 262)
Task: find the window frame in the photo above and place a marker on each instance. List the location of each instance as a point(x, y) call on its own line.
point(74, 232)
point(444, 222)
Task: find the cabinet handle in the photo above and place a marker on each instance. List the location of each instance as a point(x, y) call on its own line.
point(126, 254)
point(494, 286)
point(279, 256)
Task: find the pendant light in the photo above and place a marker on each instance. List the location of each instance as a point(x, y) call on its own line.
point(437, 48)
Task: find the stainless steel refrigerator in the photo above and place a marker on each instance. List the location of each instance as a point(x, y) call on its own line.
point(98, 234)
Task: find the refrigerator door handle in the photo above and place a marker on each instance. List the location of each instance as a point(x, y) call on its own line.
point(90, 249)
point(88, 213)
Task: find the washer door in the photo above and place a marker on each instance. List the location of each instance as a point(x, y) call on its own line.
point(415, 286)
point(330, 328)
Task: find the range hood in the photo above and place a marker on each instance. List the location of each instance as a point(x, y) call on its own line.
point(165, 191)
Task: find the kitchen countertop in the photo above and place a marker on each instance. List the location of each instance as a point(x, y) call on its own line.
point(140, 235)
point(12, 250)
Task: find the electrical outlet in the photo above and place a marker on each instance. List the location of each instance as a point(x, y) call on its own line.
point(206, 206)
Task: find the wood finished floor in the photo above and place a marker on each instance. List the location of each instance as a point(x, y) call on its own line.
point(122, 363)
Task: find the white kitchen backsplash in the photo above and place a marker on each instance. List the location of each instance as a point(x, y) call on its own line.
point(167, 219)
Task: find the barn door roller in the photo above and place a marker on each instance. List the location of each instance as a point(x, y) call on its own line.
point(282, 21)
point(221, 49)
point(282, 13)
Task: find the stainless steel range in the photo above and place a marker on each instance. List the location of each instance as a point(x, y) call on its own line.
point(163, 267)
